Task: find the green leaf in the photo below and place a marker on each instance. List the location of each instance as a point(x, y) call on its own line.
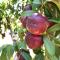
point(49, 45)
point(56, 40)
point(27, 13)
point(36, 2)
point(11, 8)
point(26, 56)
point(37, 51)
point(10, 51)
point(21, 33)
point(1, 13)
point(59, 57)
point(0, 49)
point(54, 28)
point(3, 55)
point(55, 20)
point(52, 8)
point(47, 12)
point(14, 1)
point(7, 52)
point(15, 45)
point(57, 2)
point(57, 48)
point(39, 56)
point(53, 58)
point(57, 33)
point(22, 45)
point(35, 7)
point(3, 6)
point(57, 45)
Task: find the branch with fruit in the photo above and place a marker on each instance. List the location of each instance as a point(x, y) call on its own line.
point(39, 30)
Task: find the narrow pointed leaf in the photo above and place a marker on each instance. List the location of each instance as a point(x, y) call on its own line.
point(26, 56)
point(55, 20)
point(40, 56)
point(27, 13)
point(50, 47)
point(54, 28)
point(53, 58)
point(22, 45)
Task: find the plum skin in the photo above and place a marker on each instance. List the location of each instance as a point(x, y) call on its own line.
point(51, 24)
point(33, 41)
point(23, 20)
point(19, 56)
point(37, 24)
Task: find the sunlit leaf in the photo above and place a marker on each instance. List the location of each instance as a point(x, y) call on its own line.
point(52, 9)
point(27, 13)
point(53, 58)
point(15, 45)
point(38, 51)
point(3, 6)
point(47, 12)
point(36, 2)
point(57, 48)
point(7, 52)
point(59, 57)
point(39, 56)
point(35, 7)
point(56, 40)
point(57, 2)
point(22, 45)
point(14, 1)
point(4, 54)
point(0, 49)
point(1, 13)
point(10, 51)
point(54, 28)
point(26, 56)
point(49, 45)
point(55, 20)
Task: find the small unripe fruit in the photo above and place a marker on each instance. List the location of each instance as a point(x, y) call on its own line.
point(37, 24)
point(33, 41)
point(28, 7)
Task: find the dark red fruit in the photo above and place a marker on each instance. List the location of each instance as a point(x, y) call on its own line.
point(50, 24)
point(21, 54)
point(37, 24)
point(33, 41)
point(28, 7)
point(19, 57)
point(23, 20)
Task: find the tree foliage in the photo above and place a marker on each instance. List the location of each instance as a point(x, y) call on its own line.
point(10, 13)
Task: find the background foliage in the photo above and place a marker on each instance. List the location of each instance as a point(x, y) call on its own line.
point(10, 12)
